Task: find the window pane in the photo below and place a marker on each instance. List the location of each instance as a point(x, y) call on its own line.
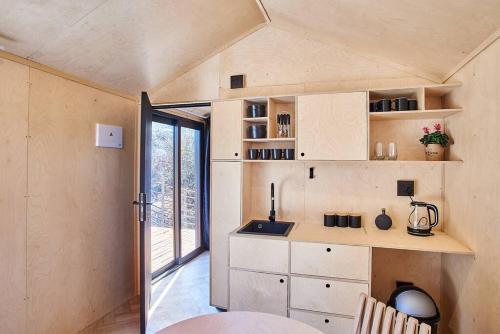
point(190, 190)
point(162, 194)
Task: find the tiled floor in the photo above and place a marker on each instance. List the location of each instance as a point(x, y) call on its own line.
point(181, 295)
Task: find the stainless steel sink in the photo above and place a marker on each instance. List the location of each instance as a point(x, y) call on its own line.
point(266, 227)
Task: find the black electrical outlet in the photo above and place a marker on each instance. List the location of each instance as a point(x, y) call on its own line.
point(237, 81)
point(406, 188)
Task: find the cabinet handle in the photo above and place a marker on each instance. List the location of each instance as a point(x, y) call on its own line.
point(327, 285)
point(282, 280)
point(302, 154)
point(327, 321)
point(236, 154)
point(328, 249)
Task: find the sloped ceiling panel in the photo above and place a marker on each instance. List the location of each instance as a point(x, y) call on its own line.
point(428, 35)
point(127, 45)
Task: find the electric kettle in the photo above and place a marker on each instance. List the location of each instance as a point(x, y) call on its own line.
point(419, 221)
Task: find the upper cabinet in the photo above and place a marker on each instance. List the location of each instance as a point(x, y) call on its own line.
point(332, 126)
point(226, 130)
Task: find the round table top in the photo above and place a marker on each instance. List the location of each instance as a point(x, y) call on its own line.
point(239, 323)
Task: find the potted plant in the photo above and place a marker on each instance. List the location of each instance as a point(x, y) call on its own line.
point(435, 143)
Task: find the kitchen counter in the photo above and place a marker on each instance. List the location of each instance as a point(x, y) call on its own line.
point(392, 238)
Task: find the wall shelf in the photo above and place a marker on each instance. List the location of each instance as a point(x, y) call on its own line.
point(413, 114)
point(269, 140)
point(256, 119)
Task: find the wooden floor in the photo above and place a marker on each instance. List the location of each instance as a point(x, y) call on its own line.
point(181, 295)
point(162, 245)
point(123, 320)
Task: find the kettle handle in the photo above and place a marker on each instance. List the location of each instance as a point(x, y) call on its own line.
point(433, 208)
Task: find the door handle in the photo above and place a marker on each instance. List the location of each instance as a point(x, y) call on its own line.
point(142, 203)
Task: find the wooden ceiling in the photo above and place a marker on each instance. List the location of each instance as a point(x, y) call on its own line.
point(428, 37)
point(136, 45)
point(126, 45)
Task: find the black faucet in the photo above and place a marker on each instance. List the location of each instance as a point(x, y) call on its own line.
point(272, 213)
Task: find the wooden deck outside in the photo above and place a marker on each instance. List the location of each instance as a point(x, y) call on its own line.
point(162, 245)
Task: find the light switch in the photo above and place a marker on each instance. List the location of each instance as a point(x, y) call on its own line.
point(108, 136)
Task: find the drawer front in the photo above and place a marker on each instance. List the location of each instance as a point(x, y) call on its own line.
point(327, 323)
point(325, 295)
point(258, 292)
point(258, 254)
point(340, 261)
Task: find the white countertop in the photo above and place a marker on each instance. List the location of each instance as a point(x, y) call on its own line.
point(440, 242)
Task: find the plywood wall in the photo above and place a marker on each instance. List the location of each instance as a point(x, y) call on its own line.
point(362, 187)
point(470, 285)
point(275, 62)
point(13, 183)
point(68, 245)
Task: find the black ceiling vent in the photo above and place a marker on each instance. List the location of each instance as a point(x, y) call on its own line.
point(237, 81)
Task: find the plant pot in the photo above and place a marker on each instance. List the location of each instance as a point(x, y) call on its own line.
point(434, 152)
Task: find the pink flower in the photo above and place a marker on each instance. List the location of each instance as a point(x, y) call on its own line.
point(426, 130)
point(437, 127)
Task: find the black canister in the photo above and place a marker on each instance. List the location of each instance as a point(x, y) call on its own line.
point(342, 220)
point(400, 104)
point(412, 104)
point(289, 154)
point(253, 153)
point(354, 220)
point(329, 220)
point(276, 153)
point(384, 105)
point(256, 110)
point(265, 154)
point(257, 131)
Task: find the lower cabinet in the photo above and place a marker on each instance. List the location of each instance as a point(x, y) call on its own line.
point(260, 292)
point(330, 296)
point(327, 323)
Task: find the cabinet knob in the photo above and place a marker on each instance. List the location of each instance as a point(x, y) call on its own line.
point(328, 249)
point(302, 154)
point(327, 321)
point(236, 154)
point(327, 285)
point(282, 280)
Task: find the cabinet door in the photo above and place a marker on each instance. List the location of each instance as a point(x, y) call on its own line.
point(268, 255)
point(258, 292)
point(327, 296)
point(226, 130)
point(327, 323)
point(340, 261)
point(225, 217)
point(333, 127)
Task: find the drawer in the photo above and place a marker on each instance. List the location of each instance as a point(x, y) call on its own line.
point(327, 323)
point(340, 261)
point(328, 296)
point(258, 254)
point(258, 292)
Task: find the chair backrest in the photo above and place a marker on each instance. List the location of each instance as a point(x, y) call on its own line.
point(374, 317)
point(358, 317)
point(368, 315)
point(389, 320)
point(378, 317)
point(411, 326)
point(399, 328)
point(424, 329)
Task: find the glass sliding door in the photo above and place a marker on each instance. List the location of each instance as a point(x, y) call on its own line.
point(176, 191)
point(162, 196)
point(190, 154)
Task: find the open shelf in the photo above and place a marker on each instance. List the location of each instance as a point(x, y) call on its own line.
point(256, 119)
point(451, 162)
point(269, 140)
point(413, 114)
